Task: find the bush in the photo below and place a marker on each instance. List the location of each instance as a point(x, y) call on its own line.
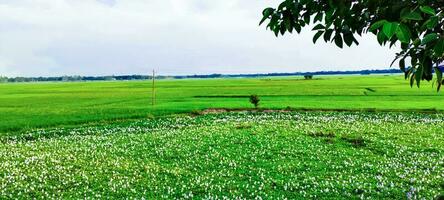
point(254, 99)
point(308, 77)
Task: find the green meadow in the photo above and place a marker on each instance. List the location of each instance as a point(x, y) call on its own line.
point(334, 137)
point(25, 106)
point(265, 155)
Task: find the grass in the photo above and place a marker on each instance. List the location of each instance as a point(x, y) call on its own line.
point(25, 106)
point(105, 140)
point(293, 155)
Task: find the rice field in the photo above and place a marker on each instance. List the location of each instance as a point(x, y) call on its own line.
point(239, 155)
point(25, 106)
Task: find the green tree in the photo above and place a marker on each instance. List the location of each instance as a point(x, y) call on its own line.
point(417, 25)
point(3, 79)
point(254, 99)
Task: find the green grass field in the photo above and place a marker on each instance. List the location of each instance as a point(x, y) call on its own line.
point(30, 105)
point(104, 140)
point(232, 156)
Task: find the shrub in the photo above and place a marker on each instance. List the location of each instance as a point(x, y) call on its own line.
point(308, 77)
point(254, 99)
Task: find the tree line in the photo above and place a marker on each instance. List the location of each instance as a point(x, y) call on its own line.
point(4, 79)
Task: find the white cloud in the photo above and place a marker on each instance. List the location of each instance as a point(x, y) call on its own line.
point(99, 37)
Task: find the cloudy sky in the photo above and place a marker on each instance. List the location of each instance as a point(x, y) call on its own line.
point(106, 37)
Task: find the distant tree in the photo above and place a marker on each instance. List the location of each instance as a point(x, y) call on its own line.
point(109, 78)
point(418, 25)
point(254, 99)
point(3, 79)
point(308, 77)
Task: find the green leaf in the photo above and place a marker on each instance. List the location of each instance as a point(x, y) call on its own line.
point(276, 31)
point(439, 78)
point(439, 48)
point(349, 39)
point(389, 29)
point(282, 5)
point(266, 13)
point(283, 28)
point(288, 26)
point(318, 17)
point(338, 40)
point(329, 15)
point(298, 28)
point(327, 35)
point(318, 27)
point(412, 80)
point(407, 73)
point(381, 38)
point(307, 18)
point(317, 36)
point(415, 15)
point(403, 33)
point(377, 25)
point(429, 38)
point(402, 65)
point(427, 10)
point(432, 22)
point(418, 75)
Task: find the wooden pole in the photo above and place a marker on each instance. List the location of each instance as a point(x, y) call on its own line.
point(153, 97)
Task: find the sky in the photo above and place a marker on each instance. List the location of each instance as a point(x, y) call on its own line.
point(173, 37)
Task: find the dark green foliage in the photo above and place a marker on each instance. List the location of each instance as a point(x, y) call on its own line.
point(254, 99)
point(308, 77)
point(416, 25)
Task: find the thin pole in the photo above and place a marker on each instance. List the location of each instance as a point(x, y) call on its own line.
point(153, 98)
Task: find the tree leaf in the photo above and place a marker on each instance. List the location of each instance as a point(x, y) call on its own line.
point(283, 28)
point(389, 29)
point(414, 15)
point(427, 10)
point(439, 48)
point(429, 38)
point(276, 31)
point(318, 17)
point(403, 33)
point(327, 35)
point(377, 25)
point(297, 27)
point(432, 22)
point(418, 75)
point(307, 18)
point(438, 73)
point(266, 14)
point(338, 40)
point(381, 38)
point(317, 36)
point(288, 26)
point(318, 27)
point(348, 39)
point(402, 65)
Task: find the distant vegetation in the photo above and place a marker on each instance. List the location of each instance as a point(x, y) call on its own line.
point(3, 79)
point(145, 77)
point(308, 77)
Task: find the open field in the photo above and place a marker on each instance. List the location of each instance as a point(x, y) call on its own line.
point(30, 105)
point(105, 140)
point(236, 155)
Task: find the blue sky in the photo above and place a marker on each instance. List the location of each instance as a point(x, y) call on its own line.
point(106, 37)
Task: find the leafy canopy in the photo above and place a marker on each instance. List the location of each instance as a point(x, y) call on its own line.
point(417, 25)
